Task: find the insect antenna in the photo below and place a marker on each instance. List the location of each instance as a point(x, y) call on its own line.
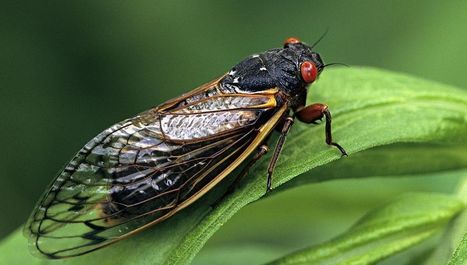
point(320, 38)
point(330, 64)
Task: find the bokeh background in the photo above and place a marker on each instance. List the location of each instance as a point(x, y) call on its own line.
point(69, 69)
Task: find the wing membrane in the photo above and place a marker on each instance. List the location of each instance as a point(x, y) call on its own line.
point(144, 169)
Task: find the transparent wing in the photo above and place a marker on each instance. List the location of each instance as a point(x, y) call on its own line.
point(140, 171)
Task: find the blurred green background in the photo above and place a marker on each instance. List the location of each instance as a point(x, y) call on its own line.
point(70, 69)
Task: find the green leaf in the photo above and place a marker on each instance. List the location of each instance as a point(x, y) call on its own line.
point(382, 161)
point(370, 108)
point(454, 237)
point(383, 232)
point(460, 254)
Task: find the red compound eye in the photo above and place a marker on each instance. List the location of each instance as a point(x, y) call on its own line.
point(291, 40)
point(308, 71)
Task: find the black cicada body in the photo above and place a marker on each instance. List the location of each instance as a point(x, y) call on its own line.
point(145, 169)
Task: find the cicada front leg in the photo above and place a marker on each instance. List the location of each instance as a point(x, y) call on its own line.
point(315, 112)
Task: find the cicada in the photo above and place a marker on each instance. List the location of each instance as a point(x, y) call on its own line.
point(143, 170)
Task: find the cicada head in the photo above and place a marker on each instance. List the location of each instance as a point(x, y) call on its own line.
point(300, 59)
point(291, 69)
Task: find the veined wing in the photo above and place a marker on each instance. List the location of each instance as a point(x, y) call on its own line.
point(145, 169)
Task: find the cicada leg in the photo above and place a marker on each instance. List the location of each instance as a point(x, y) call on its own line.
point(262, 150)
point(315, 112)
point(287, 124)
